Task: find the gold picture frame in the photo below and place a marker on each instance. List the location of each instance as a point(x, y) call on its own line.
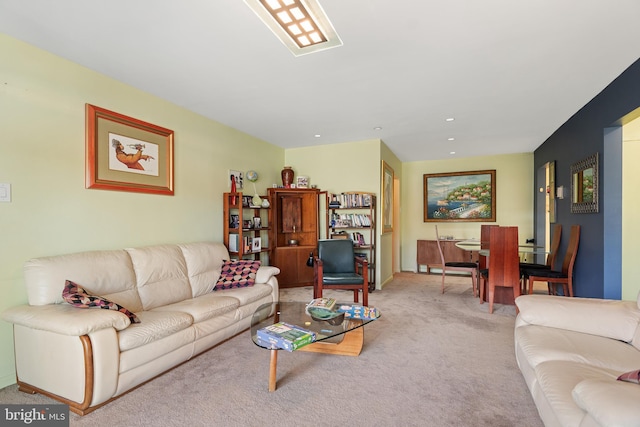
point(386, 190)
point(127, 154)
point(460, 196)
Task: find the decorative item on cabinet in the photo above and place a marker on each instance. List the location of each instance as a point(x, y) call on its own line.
point(287, 176)
point(253, 177)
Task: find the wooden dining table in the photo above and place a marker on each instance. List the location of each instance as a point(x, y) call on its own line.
point(528, 251)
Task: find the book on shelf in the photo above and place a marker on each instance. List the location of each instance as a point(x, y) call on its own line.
point(355, 311)
point(350, 220)
point(233, 242)
point(350, 200)
point(341, 235)
point(285, 336)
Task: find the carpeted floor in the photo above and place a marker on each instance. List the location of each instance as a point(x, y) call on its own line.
point(432, 359)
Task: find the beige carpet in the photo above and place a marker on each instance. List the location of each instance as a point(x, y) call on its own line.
point(432, 359)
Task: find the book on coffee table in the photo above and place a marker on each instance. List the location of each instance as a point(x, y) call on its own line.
point(358, 311)
point(285, 336)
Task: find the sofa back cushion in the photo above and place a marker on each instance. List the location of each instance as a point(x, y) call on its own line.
point(204, 263)
point(161, 275)
point(105, 273)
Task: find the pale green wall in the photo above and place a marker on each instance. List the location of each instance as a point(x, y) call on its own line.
point(338, 167)
point(42, 116)
point(630, 224)
point(514, 199)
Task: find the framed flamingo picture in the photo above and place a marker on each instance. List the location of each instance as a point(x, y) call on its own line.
point(127, 154)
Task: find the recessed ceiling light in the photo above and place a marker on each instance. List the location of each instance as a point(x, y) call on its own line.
point(301, 25)
point(377, 128)
point(452, 152)
point(449, 119)
point(317, 135)
point(451, 139)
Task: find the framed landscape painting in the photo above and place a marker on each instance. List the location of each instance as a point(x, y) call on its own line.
point(460, 196)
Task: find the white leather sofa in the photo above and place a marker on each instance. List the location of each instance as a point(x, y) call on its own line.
point(85, 357)
point(571, 352)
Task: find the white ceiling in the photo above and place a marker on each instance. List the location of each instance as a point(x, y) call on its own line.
point(510, 71)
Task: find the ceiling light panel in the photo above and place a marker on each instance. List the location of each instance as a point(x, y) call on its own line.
point(301, 25)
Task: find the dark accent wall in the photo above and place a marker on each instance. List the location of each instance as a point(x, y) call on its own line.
point(581, 136)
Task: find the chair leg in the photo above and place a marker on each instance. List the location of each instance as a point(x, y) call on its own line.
point(443, 271)
point(474, 283)
point(516, 294)
point(355, 295)
point(365, 295)
point(482, 288)
point(492, 291)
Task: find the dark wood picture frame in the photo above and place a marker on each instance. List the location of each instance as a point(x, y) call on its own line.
point(127, 154)
point(460, 196)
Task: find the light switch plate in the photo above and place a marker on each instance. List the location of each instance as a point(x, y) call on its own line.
point(5, 192)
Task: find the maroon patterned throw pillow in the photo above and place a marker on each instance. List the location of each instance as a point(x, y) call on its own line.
point(237, 274)
point(632, 376)
point(78, 297)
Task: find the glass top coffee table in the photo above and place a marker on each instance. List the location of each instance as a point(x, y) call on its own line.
point(345, 338)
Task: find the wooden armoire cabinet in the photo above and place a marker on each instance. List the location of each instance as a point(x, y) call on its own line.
point(294, 233)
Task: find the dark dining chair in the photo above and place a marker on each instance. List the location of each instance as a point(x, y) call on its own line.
point(562, 277)
point(469, 267)
point(483, 268)
point(504, 263)
point(336, 267)
point(525, 267)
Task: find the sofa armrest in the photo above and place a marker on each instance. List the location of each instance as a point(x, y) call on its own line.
point(265, 273)
point(608, 318)
point(65, 319)
point(609, 402)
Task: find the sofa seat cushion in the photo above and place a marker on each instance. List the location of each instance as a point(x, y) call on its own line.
point(204, 307)
point(154, 325)
point(610, 403)
point(540, 344)
point(247, 295)
point(556, 381)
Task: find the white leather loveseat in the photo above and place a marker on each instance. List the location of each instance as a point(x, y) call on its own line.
point(571, 352)
point(94, 355)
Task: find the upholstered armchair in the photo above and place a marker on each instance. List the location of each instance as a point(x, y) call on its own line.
point(337, 267)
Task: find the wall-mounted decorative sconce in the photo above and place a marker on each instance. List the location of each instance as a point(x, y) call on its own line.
point(560, 192)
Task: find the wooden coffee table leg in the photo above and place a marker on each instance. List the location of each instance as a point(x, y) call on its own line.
point(272, 370)
point(351, 344)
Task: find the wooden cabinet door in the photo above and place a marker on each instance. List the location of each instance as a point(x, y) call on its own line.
point(292, 262)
